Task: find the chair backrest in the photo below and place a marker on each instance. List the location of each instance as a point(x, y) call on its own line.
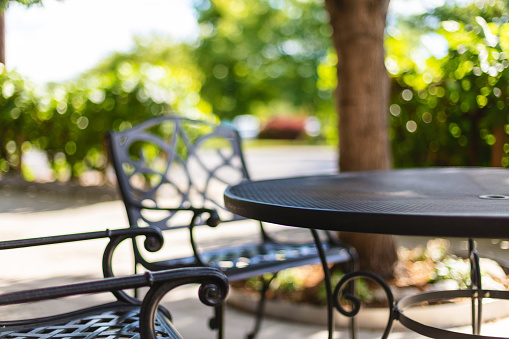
point(168, 165)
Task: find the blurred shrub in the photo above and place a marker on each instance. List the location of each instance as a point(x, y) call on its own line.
point(254, 58)
point(69, 121)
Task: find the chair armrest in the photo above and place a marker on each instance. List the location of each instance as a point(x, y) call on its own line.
point(176, 277)
point(153, 242)
point(212, 221)
point(152, 233)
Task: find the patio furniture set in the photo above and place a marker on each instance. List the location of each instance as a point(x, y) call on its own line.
point(170, 173)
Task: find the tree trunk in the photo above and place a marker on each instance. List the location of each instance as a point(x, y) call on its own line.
point(362, 99)
point(2, 37)
point(497, 150)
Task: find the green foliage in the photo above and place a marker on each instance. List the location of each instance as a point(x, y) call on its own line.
point(452, 268)
point(295, 284)
point(446, 111)
point(69, 121)
point(5, 3)
point(19, 115)
point(362, 290)
point(274, 57)
point(441, 265)
point(266, 57)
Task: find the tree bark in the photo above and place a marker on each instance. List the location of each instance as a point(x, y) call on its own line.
point(2, 37)
point(497, 150)
point(362, 99)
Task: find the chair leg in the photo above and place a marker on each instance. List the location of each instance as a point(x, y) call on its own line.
point(136, 291)
point(216, 323)
point(261, 306)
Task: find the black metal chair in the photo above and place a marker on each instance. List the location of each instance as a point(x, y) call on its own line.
point(172, 173)
point(127, 317)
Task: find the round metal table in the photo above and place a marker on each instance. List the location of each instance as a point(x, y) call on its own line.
point(443, 202)
point(435, 202)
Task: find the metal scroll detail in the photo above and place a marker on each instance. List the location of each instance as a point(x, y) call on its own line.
point(212, 292)
point(172, 164)
point(475, 293)
point(343, 291)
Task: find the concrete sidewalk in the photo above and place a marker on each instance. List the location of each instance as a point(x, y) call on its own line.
point(35, 212)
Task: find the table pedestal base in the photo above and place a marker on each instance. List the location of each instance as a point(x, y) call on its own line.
point(476, 296)
point(475, 293)
point(397, 310)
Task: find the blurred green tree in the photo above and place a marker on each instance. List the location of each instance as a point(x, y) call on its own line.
point(265, 57)
point(268, 57)
point(451, 108)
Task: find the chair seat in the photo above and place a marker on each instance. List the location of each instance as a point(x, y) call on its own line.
point(242, 262)
point(110, 321)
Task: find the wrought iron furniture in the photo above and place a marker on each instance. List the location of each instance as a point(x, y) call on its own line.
point(438, 202)
point(172, 173)
point(127, 317)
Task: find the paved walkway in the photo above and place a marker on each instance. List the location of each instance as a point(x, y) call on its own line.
point(36, 211)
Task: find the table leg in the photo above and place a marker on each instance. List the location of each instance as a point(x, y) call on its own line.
point(475, 278)
point(328, 284)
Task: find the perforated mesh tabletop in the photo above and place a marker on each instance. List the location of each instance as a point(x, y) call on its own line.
point(453, 202)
